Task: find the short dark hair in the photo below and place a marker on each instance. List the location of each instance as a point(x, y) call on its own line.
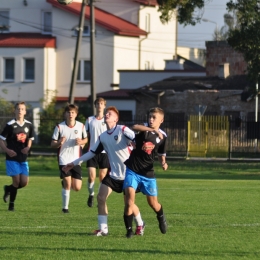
point(19, 103)
point(100, 99)
point(70, 107)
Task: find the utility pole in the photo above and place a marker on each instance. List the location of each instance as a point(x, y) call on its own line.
point(92, 51)
point(256, 111)
point(77, 49)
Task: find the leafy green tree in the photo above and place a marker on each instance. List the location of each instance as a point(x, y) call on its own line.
point(49, 118)
point(6, 106)
point(222, 33)
point(245, 37)
point(188, 11)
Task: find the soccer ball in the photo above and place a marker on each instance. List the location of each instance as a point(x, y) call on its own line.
point(65, 2)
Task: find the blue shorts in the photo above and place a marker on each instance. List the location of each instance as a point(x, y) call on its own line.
point(15, 168)
point(146, 185)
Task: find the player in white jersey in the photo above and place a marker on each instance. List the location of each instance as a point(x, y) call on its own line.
point(116, 141)
point(69, 137)
point(95, 126)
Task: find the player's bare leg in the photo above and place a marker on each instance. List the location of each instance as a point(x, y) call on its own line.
point(158, 209)
point(102, 173)
point(90, 185)
point(66, 194)
point(104, 192)
point(132, 212)
point(18, 181)
point(76, 184)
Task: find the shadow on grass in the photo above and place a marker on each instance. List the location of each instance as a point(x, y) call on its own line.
point(169, 253)
point(214, 176)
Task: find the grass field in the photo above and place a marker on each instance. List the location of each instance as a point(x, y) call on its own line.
point(212, 209)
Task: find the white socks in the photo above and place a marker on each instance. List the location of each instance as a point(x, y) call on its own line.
point(90, 187)
point(65, 198)
point(102, 223)
point(138, 220)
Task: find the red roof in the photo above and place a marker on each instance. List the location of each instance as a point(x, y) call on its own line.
point(63, 99)
point(107, 20)
point(116, 94)
point(27, 40)
point(147, 2)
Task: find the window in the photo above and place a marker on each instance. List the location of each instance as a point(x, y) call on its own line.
point(29, 70)
point(147, 65)
point(46, 22)
point(84, 71)
point(86, 31)
point(4, 21)
point(147, 22)
point(9, 69)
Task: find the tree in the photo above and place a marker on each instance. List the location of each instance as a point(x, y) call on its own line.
point(50, 116)
point(245, 37)
point(222, 33)
point(188, 11)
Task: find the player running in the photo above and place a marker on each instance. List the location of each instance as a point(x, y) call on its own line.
point(69, 137)
point(149, 140)
point(95, 126)
point(16, 141)
point(116, 142)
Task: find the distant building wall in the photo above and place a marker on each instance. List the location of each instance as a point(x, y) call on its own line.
point(219, 52)
point(185, 102)
point(193, 54)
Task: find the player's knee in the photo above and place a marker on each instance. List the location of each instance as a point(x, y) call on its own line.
point(129, 203)
point(101, 199)
point(22, 185)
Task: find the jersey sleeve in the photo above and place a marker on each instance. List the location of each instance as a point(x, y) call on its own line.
point(5, 132)
point(97, 147)
point(87, 125)
point(56, 133)
point(128, 133)
point(84, 132)
point(162, 148)
point(85, 157)
point(31, 133)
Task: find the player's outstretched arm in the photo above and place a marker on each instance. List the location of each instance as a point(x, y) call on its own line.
point(143, 128)
point(85, 157)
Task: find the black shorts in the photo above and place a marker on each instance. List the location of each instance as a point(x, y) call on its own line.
point(115, 185)
point(99, 161)
point(75, 172)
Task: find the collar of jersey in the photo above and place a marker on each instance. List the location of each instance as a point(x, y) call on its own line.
point(110, 133)
point(19, 123)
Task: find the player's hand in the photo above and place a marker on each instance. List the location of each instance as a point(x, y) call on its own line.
point(11, 153)
point(78, 141)
point(62, 140)
point(67, 167)
point(25, 150)
point(165, 166)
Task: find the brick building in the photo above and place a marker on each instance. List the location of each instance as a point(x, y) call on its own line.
point(219, 53)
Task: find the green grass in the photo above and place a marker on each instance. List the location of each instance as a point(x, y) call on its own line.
point(212, 209)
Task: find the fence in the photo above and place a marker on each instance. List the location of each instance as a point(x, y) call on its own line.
point(192, 136)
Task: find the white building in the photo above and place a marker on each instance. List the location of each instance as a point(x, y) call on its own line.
point(38, 39)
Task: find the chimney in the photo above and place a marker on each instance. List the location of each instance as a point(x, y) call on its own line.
point(223, 70)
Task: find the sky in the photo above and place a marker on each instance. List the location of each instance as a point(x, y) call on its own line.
point(195, 36)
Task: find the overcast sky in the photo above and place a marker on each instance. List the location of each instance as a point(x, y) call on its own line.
point(195, 36)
